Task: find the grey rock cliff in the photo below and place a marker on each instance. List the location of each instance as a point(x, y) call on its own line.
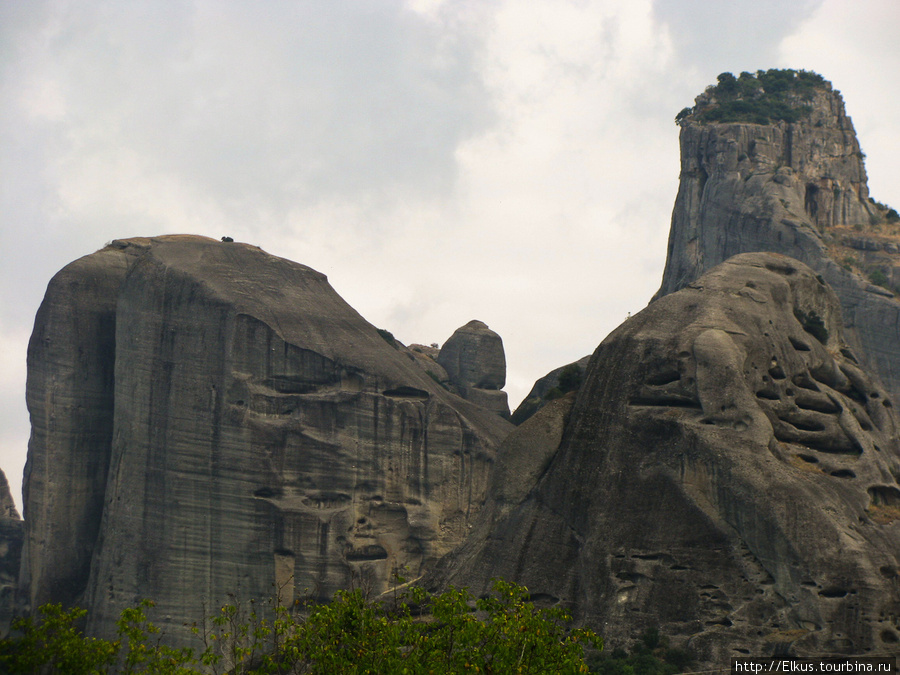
point(728, 471)
point(212, 419)
point(798, 189)
point(475, 363)
point(11, 534)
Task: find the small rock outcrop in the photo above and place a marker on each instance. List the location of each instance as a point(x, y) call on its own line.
point(782, 171)
point(475, 364)
point(211, 419)
point(551, 386)
point(728, 472)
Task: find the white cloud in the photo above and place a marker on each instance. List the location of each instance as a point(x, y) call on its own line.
point(854, 44)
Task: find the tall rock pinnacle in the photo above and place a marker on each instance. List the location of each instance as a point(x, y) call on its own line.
point(771, 162)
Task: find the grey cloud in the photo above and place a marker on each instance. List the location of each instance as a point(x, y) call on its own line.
point(732, 36)
point(281, 101)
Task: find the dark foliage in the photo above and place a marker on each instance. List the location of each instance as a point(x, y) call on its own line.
point(388, 337)
point(769, 96)
point(651, 655)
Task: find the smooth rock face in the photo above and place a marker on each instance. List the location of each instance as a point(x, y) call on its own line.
point(798, 189)
point(475, 363)
point(69, 390)
point(727, 471)
point(253, 434)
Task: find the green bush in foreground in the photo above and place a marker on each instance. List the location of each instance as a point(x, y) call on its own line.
point(416, 632)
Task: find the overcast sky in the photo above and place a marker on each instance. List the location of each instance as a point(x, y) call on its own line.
point(514, 162)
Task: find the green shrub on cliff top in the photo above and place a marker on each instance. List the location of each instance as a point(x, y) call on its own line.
point(764, 98)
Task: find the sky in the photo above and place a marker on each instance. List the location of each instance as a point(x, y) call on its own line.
point(512, 161)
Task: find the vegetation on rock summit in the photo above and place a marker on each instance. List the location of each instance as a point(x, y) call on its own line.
point(769, 96)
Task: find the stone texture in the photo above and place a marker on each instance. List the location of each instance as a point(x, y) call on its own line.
point(728, 471)
point(475, 364)
point(212, 419)
point(799, 189)
point(545, 389)
point(69, 390)
point(11, 534)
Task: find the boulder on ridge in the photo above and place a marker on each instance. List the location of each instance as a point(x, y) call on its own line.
point(475, 363)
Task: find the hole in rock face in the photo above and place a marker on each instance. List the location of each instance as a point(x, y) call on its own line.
point(885, 495)
point(833, 592)
point(326, 500)
point(284, 552)
point(406, 392)
point(843, 473)
point(804, 381)
point(805, 425)
point(889, 637)
point(768, 394)
point(724, 621)
point(799, 345)
point(369, 552)
point(663, 377)
point(809, 458)
point(267, 492)
point(888, 572)
point(777, 372)
point(847, 354)
point(781, 268)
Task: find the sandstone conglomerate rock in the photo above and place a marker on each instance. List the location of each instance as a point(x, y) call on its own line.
point(475, 363)
point(11, 533)
point(211, 419)
point(728, 472)
point(799, 189)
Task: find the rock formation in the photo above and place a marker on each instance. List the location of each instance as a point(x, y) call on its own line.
point(728, 471)
point(475, 364)
point(11, 531)
point(551, 386)
point(211, 419)
point(797, 188)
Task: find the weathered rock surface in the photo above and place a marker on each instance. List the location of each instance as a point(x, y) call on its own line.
point(475, 363)
point(11, 533)
point(547, 388)
point(728, 472)
point(211, 419)
point(799, 189)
